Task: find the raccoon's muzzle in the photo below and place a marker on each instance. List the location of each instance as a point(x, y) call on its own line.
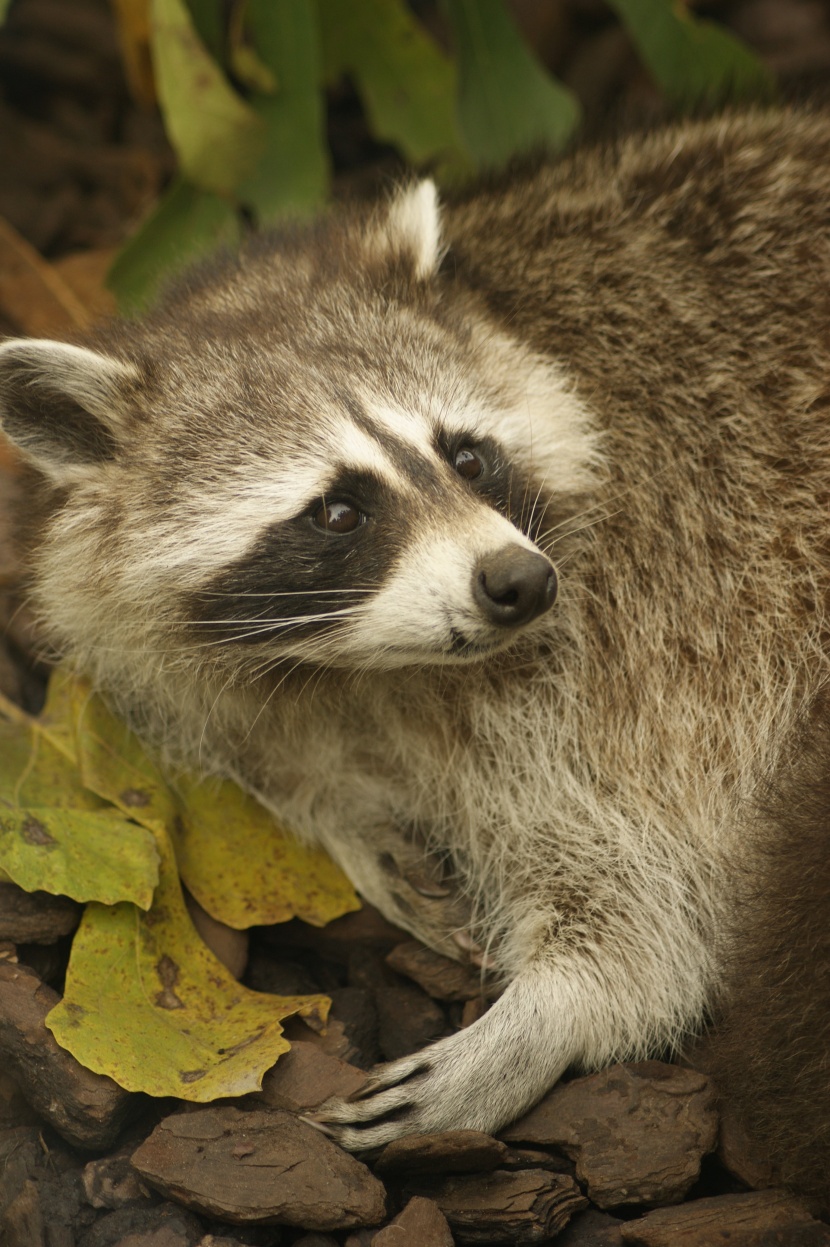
point(512, 586)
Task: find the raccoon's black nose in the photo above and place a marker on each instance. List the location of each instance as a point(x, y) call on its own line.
point(513, 586)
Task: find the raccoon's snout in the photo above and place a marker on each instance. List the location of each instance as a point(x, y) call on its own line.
point(513, 586)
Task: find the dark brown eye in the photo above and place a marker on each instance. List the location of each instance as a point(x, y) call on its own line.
point(468, 464)
point(338, 517)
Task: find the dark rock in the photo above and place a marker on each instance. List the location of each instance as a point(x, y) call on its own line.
point(355, 1008)
point(472, 1011)
point(421, 1224)
point(537, 1158)
point(165, 1225)
point(35, 917)
point(758, 1219)
point(86, 1109)
point(442, 978)
point(112, 1183)
point(408, 1020)
point(316, 1240)
point(305, 1076)
point(741, 1156)
point(367, 970)
point(15, 1110)
point(279, 977)
point(451, 1151)
point(592, 1229)
point(636, 1132)
point(41, 1198)
point(259, 1167)
point(527, 1207)
point(335, 1042)
point(337, 940)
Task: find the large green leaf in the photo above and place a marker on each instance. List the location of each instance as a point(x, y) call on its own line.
point(693, 61)
point(240, 865)
point(406, 82)
point(148, 1004)
point(216, 135)
point(57, 836)
point(88, 856)
point(292, 174)
point(185, 223)
point(507, 101)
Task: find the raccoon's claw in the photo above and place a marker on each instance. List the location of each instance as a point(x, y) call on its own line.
point(383, 1109)
point(474, 951)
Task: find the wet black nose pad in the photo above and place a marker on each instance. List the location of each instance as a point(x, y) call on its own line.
point(512, 586)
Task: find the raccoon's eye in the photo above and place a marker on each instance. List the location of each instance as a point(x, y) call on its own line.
point(338, 517)
point(468, 464)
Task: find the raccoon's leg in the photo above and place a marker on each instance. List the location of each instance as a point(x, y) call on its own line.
point(583, 1007)
point(413, 887)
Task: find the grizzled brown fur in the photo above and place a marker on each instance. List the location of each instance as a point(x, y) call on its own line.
point(301, 527)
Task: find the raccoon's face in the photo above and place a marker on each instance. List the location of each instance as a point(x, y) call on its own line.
point(312, 459)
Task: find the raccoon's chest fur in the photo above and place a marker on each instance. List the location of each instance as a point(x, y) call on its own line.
point(300, 523)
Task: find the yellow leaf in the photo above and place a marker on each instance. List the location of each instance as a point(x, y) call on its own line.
point(79, 853)
point(114, 764)
point(146, 1003)
point(57, 836)
point(240, 865)
point(244, 869)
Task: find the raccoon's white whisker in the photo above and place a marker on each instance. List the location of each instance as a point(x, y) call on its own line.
point(547, 543)
point(286, 593)
point(275, 621)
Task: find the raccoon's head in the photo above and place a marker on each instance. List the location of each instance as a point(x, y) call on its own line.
point(319, 450)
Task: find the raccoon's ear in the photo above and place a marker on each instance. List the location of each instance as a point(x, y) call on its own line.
point(62, 405)
point(412, 226)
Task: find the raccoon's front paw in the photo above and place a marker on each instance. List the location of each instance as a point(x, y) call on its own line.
point(424, 898)
point(468, 1081)
point(418, 1094)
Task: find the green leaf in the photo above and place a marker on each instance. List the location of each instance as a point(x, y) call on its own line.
point(79, 853)
point(207, 18)
point(507, 102)
point(240, 865)
point(57, 836)
point(292, 175)
point(146, 1003)
point(244, 869)
point(405, 80)
point(4, 8)
point(216, 135)
point(185, 223)
point(694, 62)
point(115, 765)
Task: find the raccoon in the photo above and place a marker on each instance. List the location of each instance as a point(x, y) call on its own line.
point(486, 542)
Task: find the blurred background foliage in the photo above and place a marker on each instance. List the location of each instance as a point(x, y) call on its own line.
point(241, 88)
point(136, 134)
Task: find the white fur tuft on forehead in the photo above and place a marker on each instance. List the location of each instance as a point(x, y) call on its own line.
point(413, 225)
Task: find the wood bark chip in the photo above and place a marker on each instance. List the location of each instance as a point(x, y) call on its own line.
point(442, 978)
point(636, 1132)
point(35, 917)
point(305, 1076)
point(87, 1109)
point(451, 1151)
point(421, 1224)
point(526, 1207)
point(758, 1219)
point(259, 1167)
